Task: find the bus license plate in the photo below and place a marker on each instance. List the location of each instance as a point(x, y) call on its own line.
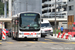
point(29, 35)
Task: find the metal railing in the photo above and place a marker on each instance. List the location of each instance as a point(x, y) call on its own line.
point(2, 16)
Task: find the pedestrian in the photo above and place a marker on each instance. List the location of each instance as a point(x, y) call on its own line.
point(61, 29)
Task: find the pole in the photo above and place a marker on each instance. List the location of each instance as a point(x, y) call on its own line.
point(61, 8)
point(10, 8)
point(55, 17)
point(26, 5)
point(51, 10)
point(48, 9)
point(20, 6)
point(5, 9)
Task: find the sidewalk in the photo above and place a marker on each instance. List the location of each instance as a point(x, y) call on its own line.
point(57, 35)
point(72, 39)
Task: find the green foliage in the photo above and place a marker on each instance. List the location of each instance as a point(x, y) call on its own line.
point(1, 8)
point(57, 31)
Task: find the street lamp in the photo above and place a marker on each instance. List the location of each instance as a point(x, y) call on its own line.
point(55, 17)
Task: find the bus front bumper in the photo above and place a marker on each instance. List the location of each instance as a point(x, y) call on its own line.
point(29, 36)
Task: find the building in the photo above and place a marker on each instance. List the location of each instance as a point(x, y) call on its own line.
point(26, 5)
point(5, 19)
point(48, 12)
point(71, 12)
point(17, 6)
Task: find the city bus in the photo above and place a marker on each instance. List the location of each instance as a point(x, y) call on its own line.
point(26, 25)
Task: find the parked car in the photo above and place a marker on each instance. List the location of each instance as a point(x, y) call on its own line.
point(46, 29)
point(7, 31)
point(9, 34)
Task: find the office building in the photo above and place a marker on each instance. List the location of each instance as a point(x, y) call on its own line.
point(48, 12)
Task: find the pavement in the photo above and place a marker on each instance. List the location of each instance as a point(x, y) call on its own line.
point(71, 38)
point(47, 43)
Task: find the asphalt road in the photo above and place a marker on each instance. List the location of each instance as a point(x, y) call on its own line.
point(42, 44)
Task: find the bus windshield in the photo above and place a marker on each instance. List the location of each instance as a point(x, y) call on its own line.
point(29, 21)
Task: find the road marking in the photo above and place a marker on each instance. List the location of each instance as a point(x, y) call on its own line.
point(65, 42)
point(0, 43)
point(72, 42)
point(9, 42)
point(48, 39)
point(31, 42)
point(43, 42)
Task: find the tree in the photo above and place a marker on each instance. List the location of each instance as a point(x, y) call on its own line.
point(1, 8)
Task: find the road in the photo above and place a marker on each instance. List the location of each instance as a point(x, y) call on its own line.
point(42, 44)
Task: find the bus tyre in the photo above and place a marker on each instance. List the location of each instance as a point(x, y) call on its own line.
point(36, 39)
point(13, 38)
point(0, 38)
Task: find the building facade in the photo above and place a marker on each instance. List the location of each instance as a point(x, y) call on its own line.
point(26, 5)
point(48, 12)
point(17, 6)
point(71, 12)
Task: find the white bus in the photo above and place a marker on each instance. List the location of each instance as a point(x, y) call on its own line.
point(26, 25)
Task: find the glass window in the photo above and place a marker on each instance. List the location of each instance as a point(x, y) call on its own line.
point(29, 21)
point(45, 25)
point(70, 0)
point(71, 7)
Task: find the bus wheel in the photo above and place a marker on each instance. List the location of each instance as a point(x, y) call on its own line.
point(13, 38)
point(36, 39)
point(0, 38)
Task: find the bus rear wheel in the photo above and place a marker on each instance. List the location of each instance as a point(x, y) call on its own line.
point(18, 39)
point(13, 38)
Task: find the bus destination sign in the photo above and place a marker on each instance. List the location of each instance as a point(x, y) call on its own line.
point(29, 14)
